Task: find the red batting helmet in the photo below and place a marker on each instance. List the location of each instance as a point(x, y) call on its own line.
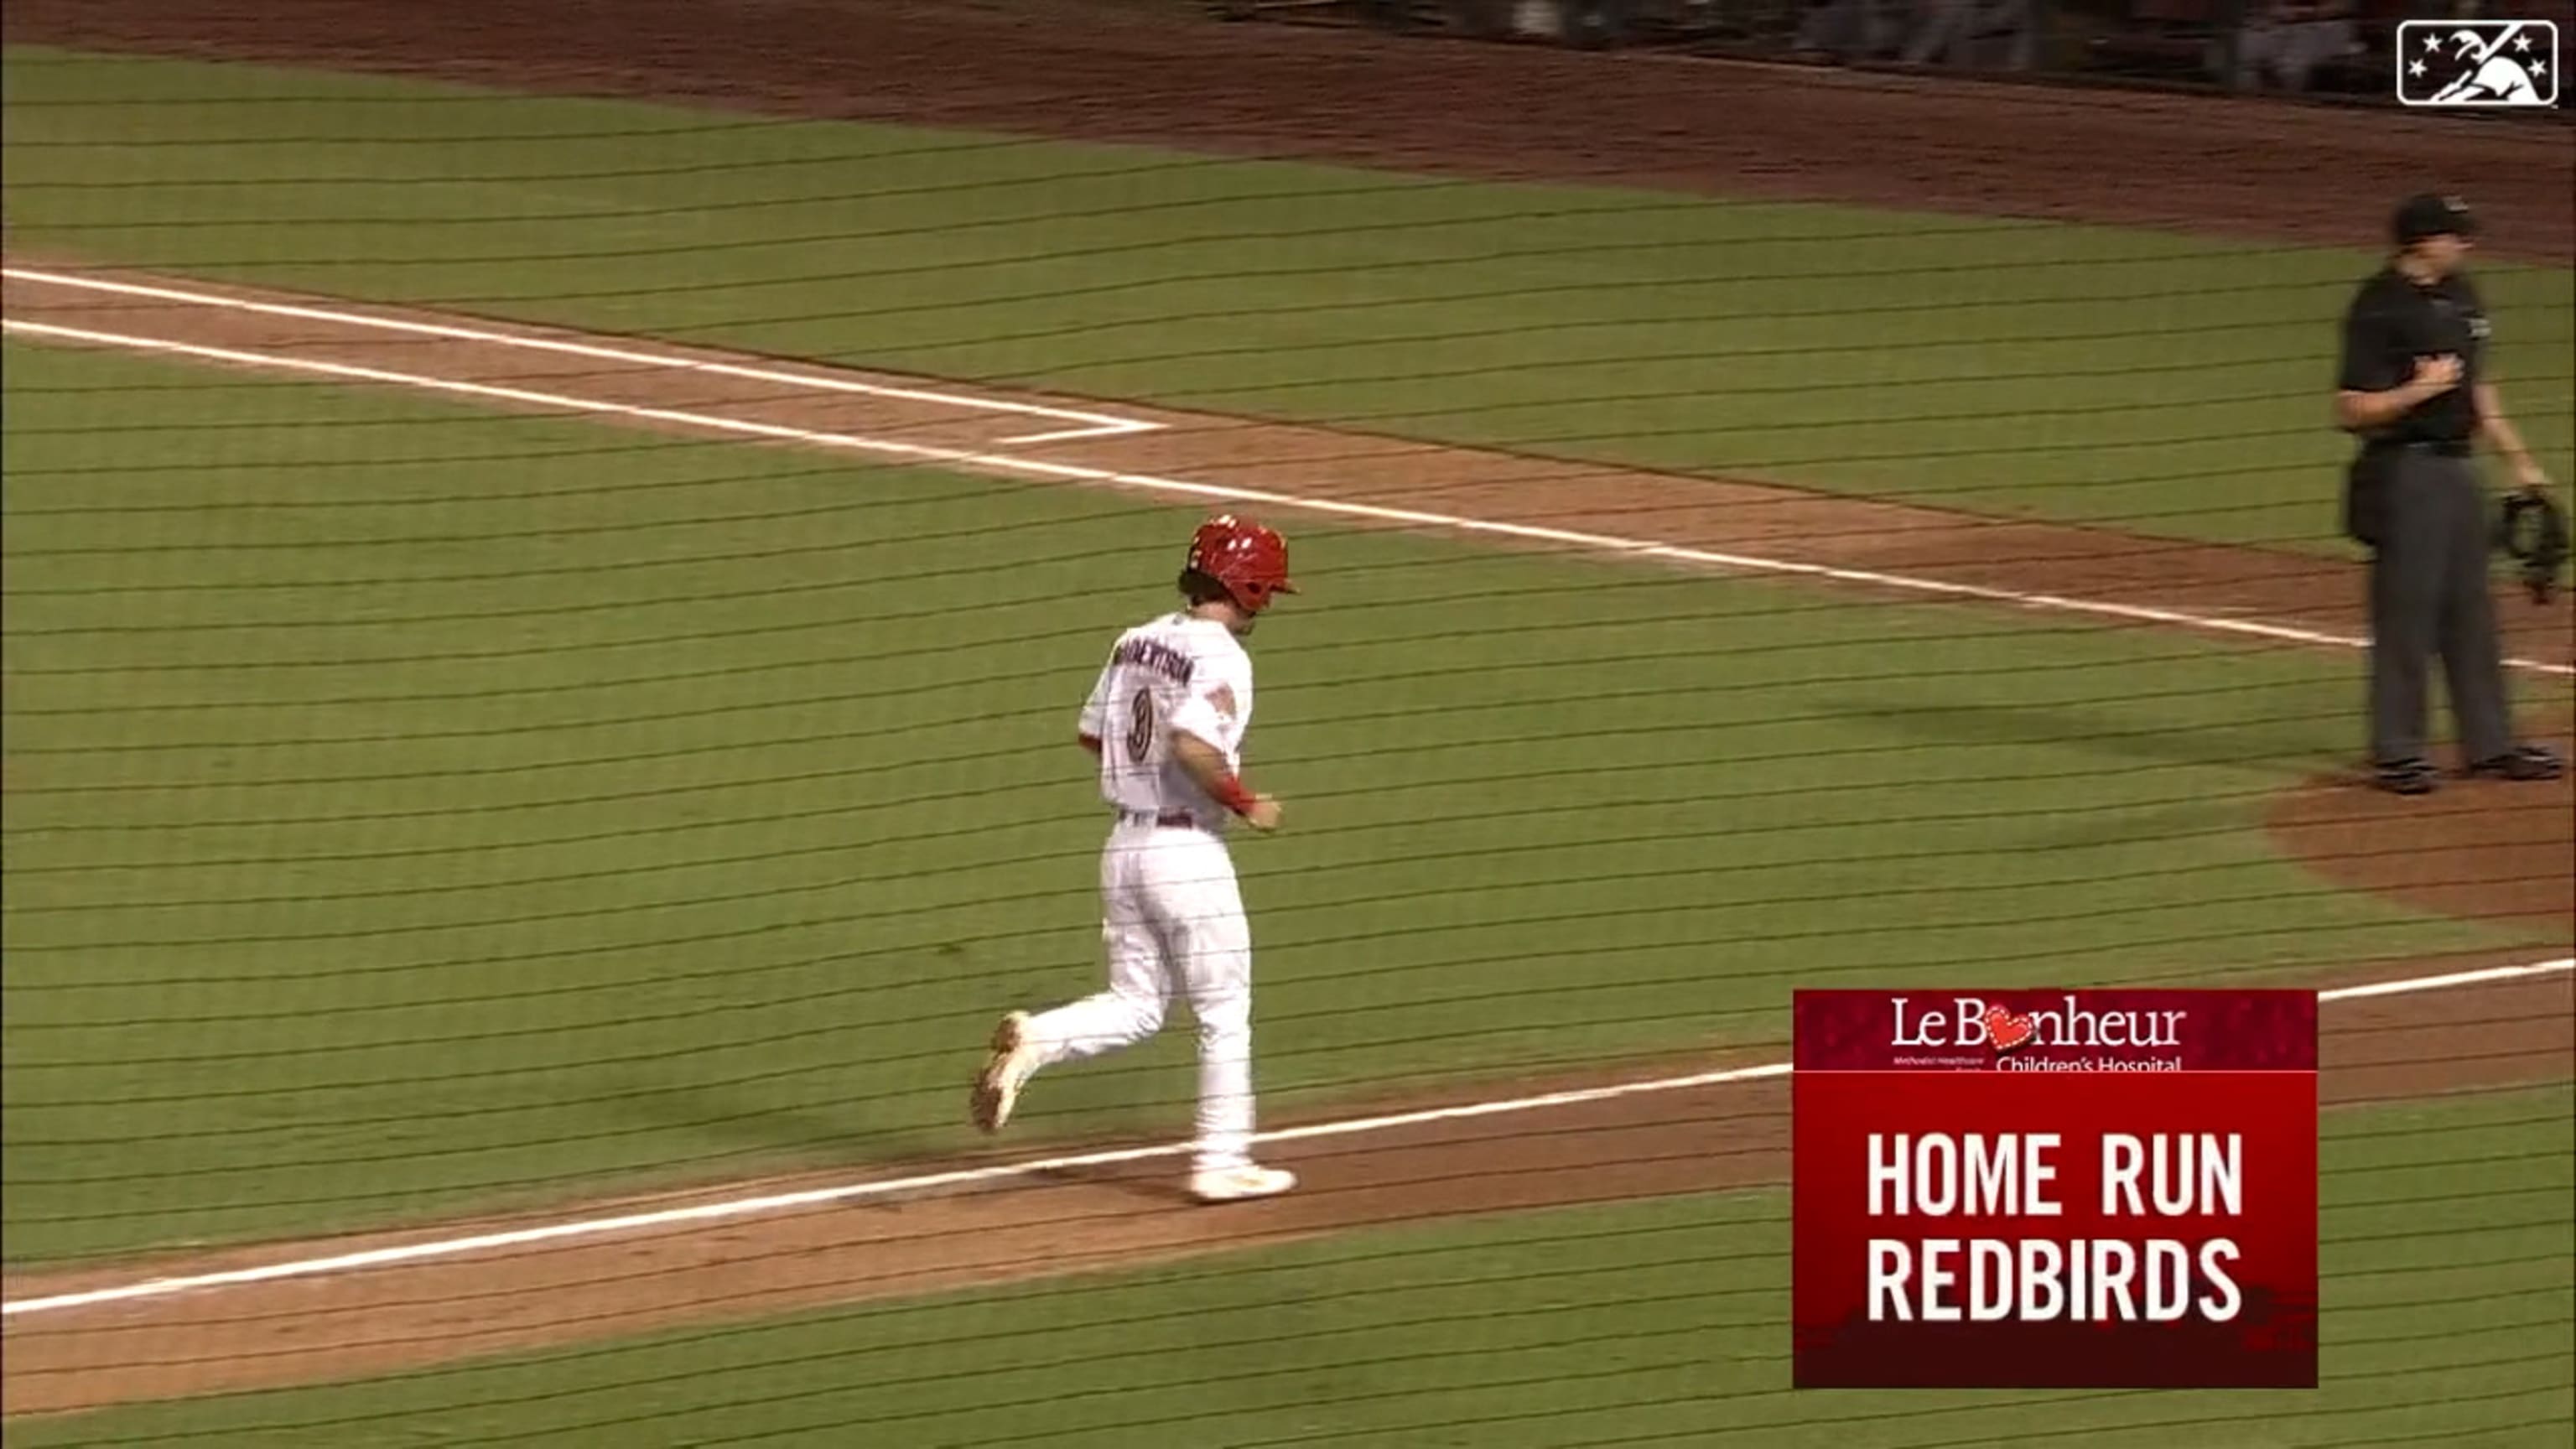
point(1250, 560)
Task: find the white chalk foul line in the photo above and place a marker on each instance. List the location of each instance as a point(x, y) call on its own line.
point(1094, 425)
point(2483, 976)
point(568, 402)
point(1148, 482)
point(770, 1203)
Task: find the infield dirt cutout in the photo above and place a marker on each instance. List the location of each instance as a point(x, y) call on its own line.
point(1480, 110)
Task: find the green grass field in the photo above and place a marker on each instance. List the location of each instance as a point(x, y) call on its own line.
point(2447, 1288)
point(654, 808)
point(414, 810)
point(2156, 382)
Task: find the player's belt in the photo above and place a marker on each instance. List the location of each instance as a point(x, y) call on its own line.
point(1167, 820)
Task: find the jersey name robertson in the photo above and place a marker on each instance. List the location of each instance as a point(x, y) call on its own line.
point(1174, 672)
point(1138, 651)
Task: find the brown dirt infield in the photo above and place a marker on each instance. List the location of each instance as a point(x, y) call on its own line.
point(2302, 591)
point(391, 1318)
point(2482, 850)
point(1694, 1140)
point(1485, 110)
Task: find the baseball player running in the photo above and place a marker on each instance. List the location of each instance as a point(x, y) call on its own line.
point(1167, 720)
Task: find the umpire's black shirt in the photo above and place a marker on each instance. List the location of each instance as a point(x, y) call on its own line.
point(2392, 323)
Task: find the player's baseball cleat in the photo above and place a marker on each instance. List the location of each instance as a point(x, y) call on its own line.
point(997, 1088)
point(1239, 1184)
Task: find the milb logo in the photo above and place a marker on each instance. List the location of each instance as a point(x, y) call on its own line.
point(2464, 63)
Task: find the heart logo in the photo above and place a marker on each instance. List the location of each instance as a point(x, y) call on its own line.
point(2007, 1029)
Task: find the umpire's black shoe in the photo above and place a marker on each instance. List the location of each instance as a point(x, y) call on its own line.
point(2407, 777)
point(2522, 762)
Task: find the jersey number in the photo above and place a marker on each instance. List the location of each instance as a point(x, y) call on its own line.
point(1140, 728)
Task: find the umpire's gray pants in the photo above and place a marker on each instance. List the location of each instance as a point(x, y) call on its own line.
point(2428, 595)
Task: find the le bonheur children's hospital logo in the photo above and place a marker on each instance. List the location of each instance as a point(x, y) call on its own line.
point(2462, 63)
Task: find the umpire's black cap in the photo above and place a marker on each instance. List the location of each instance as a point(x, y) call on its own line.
point(2431, 215)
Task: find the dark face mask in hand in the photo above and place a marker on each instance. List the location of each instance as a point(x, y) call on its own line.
point(2532, 531)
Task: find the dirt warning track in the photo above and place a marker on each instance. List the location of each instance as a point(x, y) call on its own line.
point(1082, 69)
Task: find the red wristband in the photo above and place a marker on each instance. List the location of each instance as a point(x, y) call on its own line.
point(1229, 792)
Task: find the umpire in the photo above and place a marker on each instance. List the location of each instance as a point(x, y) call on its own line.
point(2413, 391)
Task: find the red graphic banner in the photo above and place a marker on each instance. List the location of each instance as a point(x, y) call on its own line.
point(2055, 1189)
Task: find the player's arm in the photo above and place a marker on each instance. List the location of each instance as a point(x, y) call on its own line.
point(1207, 768)
point(2368, 393)
point(1095, 715)
point(1205, 715)
point(2506, 439)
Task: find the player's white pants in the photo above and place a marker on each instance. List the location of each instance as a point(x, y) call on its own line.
point(1172, 919)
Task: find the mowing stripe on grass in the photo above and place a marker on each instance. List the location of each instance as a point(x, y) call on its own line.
point(997, 462)
point(762, 1205)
